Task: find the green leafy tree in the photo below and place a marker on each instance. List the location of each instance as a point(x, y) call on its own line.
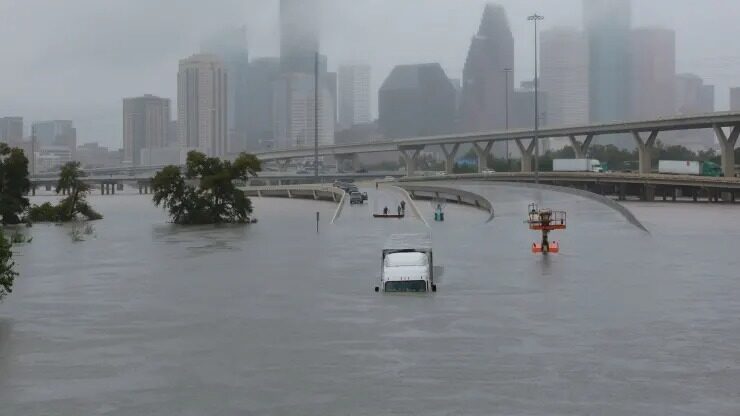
point(7, 273)
point(71, 207)
point(206, 193)
point(14, 184)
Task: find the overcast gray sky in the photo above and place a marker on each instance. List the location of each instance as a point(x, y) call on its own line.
point(76, 59)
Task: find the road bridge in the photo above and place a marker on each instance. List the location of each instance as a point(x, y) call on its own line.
point(623, 185)
point(726, 127)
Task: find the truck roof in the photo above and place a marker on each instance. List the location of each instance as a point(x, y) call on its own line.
point(408, 242)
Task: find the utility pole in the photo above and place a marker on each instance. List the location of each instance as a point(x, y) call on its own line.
point(507, 71)
point(316, 119)
point(536, 18)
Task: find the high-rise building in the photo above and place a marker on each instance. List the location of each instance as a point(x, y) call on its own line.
point(146, 122)
point(231, 47)
point(564, 76)
point(485, 87)
point(693, 97)
point(299, 35)
point(202, 104)
point(295, 111)
point(735, 99)
point(653, 73)
point(172, 139)
point(608, 24)
point(11, 129)
point(332, 86)
point(354, 95)
point(262, 74)
point(416, 100)
point(59, 133)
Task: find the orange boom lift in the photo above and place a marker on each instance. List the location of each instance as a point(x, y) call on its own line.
point(546, 220)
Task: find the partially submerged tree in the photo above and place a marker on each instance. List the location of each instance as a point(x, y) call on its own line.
point(71, 207)
point(206, 193)
point(7, 274)
point(14, 184)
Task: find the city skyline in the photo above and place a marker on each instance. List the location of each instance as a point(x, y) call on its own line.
point(100, 119)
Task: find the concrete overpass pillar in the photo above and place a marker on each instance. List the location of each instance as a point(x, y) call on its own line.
point(450, 155)
point(410, 156)
point(581, 148)
point(527, 154)
point(727, 146)
point(645, 150)
point(482, 153)
point(102, 189)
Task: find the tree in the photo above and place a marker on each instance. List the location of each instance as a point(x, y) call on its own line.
point(14, 184)
point(69, 208)
point(215, 199)
point(7, 274)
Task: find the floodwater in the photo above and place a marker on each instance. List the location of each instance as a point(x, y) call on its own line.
point(148, 318)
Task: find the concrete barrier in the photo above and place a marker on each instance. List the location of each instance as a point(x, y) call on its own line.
point(315, 192)
point(626, 213)
point(450, 195)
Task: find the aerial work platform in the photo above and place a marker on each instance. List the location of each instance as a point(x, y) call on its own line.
point(545, 221)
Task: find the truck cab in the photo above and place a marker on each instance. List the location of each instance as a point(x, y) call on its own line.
point(408, 265)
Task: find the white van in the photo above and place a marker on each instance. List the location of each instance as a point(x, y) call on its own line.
point(408, 265)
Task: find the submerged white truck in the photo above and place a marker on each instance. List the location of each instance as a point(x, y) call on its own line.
point(408, 265)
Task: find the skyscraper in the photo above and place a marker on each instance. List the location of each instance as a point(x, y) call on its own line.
point(55, 133)
point(202, 104)
point(262, 74)
point(735, 99)
point(485, 86)
point(653, 73)
point(299, 35)
point(608, 24)
point(146, 124)
point(294, 118)
point(354, 95)
point(416, 100)
point(564, 76)
point(693, 97)
point(295, 114)
point(231, 47)
point(11, 129)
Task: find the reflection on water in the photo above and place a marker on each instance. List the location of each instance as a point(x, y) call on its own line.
point(275, 318)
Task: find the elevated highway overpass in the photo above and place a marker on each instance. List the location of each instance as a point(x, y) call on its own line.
point(726, 127)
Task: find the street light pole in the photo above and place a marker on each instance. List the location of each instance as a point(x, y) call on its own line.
point(507, 71)
point(536, 18)
point(316, 119)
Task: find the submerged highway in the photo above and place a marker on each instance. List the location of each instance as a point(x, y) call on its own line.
point(149, 318)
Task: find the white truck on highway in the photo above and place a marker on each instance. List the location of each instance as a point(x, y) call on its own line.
point(687, 167)
point(408, 265)
point(576, 165)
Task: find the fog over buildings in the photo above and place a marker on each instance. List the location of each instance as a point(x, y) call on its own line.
point(79, 68)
